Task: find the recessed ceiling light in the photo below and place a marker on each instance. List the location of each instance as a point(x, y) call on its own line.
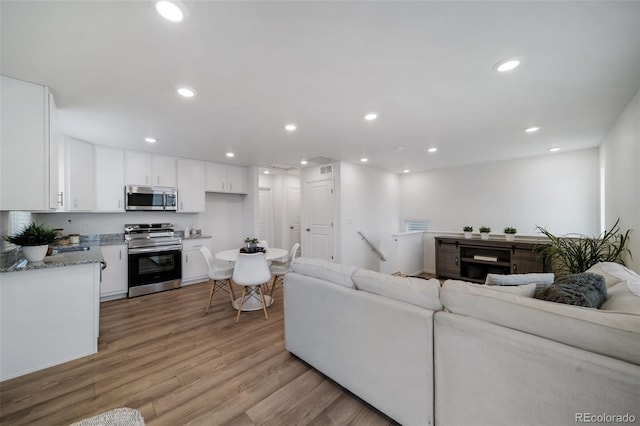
point(185, 91)
point(554, 149)
point(171, 10)
point(507, 65)
point(371, 116)
point(432, 149)
point(406, 171)
point(304, 162)
point(230, 154)
point(364, 160)
point(532, 129)
point(290, 127)
point(150, 140)
point(266, 172)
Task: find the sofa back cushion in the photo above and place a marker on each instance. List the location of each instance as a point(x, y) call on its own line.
point(613, 273)
point(330, 271)
point(416, 291)
point(621, 299)
point(614, 334)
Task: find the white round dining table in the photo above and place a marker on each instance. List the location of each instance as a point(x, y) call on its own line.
point(232, 255)
point(251, 303)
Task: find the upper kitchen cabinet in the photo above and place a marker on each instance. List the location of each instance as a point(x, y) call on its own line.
point(80, 175)
point(29, 145)
point(150, 169)
point(227, 178)
point(109, 179)
point(192, 180)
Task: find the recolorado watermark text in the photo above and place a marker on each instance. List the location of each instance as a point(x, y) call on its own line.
point(605, 418)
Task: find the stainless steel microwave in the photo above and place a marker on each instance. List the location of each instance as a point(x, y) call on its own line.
point(139, 197)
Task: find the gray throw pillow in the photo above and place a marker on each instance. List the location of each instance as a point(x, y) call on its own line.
point(585, 289)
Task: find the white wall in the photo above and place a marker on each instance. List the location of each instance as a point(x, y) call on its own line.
point(559, 191)
point(223, 220)
point(620, 160)
point(369, 202)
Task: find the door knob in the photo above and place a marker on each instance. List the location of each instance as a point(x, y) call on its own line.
point(308, 229)
point(291, 227)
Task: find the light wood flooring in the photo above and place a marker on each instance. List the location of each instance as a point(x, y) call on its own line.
point(163, 356)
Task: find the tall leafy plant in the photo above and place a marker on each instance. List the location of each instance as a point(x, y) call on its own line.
point(571, 254)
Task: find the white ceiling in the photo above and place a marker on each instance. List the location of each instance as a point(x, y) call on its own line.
point(425, 67)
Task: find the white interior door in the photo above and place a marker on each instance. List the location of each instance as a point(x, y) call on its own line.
point(265, 215)
point(318, 219)
point(293, 214)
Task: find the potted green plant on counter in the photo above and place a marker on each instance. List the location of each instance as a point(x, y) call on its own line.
point(467, 231)
point(484, 232)
point(510, 233)
point(34, 240)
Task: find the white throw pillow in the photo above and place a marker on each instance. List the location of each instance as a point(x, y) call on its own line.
point(326, 270)
point(621, 299)
point(541, 279)
point(416, 291)
point(526, 290)
point(613, 273)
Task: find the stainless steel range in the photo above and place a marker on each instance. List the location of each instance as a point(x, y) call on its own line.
point(155, 258)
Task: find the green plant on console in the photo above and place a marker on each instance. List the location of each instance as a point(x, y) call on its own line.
point(32, 235)
point(485, 229)
point(468, 229)
point(575, 253)
point(510, 230)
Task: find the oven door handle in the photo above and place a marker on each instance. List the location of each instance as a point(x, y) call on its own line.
point(155, 249)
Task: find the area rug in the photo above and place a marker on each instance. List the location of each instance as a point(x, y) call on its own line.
point(115, 417)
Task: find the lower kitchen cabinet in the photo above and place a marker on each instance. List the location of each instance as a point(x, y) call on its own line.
point(115, 275)
point(194, 267)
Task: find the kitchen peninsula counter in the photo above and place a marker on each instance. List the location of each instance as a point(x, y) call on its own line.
point(49, 311)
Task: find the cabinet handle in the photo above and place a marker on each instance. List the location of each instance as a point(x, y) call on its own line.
point(61, 202)
point(456, 260)
point(186, 258)
point(158, 180)
point(118, 203)
point(181, 206)
point(75, 203)
point(120, 254)
point(222, 185)
point(231, 187)
point(515, 268)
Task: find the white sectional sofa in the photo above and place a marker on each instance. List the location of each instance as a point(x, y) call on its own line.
point(465, 354)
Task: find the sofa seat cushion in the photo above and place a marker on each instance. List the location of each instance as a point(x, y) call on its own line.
point(419, 292)
point(330, 271)
point(610, 333)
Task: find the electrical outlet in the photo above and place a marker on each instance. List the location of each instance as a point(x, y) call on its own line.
point(85, 225)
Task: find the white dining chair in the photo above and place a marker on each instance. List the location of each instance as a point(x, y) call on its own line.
point(251, 272)
point(220, 278)
point(278, 269)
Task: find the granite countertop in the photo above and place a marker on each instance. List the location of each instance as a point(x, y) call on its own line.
point(14, 261)
point(88, 251)
point(199, 237)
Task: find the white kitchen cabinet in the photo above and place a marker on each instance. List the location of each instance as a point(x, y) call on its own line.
point(115, 275)
point(79, 176)
point(164, 170)
point(194, 267)
point(227, 178)
point(109, 179)
point(29, 145)
point(150, 169)
point(191, 186)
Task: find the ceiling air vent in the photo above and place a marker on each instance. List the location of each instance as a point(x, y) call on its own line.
point(326, 170)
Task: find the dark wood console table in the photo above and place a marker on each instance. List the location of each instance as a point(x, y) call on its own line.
point(472, 259)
